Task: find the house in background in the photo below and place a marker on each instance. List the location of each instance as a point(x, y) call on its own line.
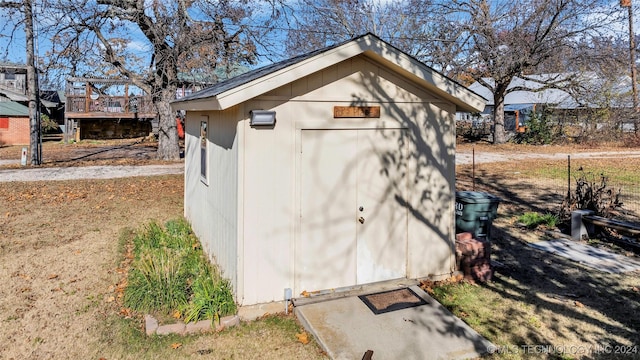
point(14, 123)
point(13, 87)
point(330, 170)
point(14, 113)
point(572, 98)
point(115, 108)
point(13, 79)
point(520, 104)
point(106, 109)
point(53, 102)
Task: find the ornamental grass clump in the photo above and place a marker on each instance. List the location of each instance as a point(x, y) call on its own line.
point(157, 283)
point(170, 275)
point(211, 299)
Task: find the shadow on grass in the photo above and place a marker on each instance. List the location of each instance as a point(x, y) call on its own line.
point(532, 196)
point(543, 299)
point(546, 282)
point(112, 152)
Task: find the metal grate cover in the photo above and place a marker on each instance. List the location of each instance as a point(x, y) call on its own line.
point(392, 300)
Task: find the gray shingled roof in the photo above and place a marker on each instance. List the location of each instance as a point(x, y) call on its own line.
point(258, 73)
point(10, 108)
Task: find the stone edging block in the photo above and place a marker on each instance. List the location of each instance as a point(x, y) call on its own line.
point(152, 327)
point(150, 324)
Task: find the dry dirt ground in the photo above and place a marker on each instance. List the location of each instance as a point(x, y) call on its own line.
point(485, 153)
point(60, 270)
point(60, 266)
point(138, 151)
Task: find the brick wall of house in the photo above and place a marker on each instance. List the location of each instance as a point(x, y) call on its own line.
point(14, 130)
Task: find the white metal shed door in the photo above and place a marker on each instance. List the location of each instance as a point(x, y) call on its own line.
point(353, 228)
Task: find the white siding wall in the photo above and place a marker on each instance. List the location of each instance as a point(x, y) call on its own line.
point(270, 194)
point(432, 194)
point(212, 207)
point(268, 211)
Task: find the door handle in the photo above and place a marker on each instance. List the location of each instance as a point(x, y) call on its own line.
point(361, 220)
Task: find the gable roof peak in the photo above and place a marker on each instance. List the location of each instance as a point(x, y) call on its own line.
point(243, 87)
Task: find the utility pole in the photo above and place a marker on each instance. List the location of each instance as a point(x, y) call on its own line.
point(33, 93)
point(632, 62)
point(32, 78)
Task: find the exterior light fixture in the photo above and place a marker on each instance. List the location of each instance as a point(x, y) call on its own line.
point(262, 118)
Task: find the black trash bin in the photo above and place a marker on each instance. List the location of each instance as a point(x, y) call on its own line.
point(475, 212)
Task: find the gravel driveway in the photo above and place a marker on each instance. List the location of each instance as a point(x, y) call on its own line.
point(119, 171)
point(466, 156)
point(89, 172)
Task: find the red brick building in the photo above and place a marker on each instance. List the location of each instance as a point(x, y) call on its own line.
point(14, 123)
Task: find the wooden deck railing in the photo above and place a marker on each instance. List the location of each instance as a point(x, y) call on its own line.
point(108, 106)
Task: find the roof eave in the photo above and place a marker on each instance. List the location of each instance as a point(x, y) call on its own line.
point(475, 108)
point(203, 104)
point(463, 98)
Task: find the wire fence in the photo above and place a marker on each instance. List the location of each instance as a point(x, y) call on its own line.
point(543, 185)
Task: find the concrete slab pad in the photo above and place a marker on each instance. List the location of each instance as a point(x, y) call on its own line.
point(346, 328)
point(588, 255)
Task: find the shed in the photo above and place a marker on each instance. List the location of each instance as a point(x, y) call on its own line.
point(325, 171)
point(14, 123)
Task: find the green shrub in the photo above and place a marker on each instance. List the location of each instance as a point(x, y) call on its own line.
point(170, 272)
point(533, 219)
point(48, 125)
point(540, 130)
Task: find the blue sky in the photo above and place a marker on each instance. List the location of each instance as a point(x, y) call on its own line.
point(16, 51)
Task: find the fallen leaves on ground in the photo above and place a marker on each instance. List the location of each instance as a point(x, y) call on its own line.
point(305, 293)
point(177, 314)
point(264, 316)
point(176, 345)
point(22, 276)
point(303, 338)
point(428, 285)
point(126, 312)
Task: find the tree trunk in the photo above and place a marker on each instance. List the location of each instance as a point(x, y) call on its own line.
point(499, 136)
point(168, 147)
point(32, 87)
